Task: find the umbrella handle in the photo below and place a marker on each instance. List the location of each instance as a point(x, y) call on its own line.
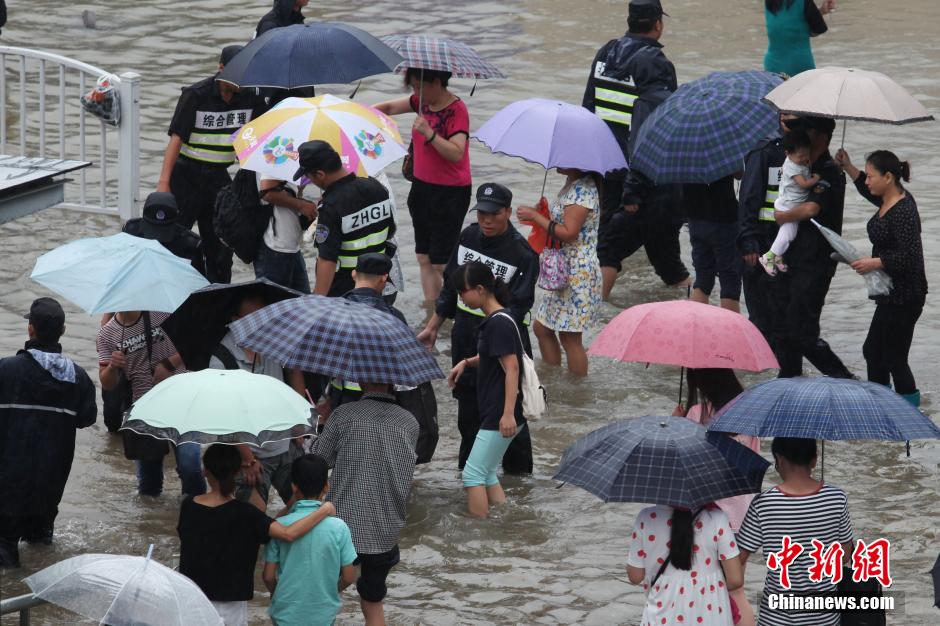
point(844, 122)
point(149, 552)
point(356, 90)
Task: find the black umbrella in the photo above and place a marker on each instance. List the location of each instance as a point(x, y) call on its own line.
point(305, 55)
point(199, 324)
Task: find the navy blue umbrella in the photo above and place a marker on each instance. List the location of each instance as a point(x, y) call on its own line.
point(823, 408)
point(703, 131)
point(661, 460)
point(338, 338)
point(305, 55)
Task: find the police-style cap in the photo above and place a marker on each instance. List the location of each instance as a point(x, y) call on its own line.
point(316, 155)
point(228, 53)
point(160, 208)
point(374, 263)
point(46, 315)
point(649, 9)
point(492, 198)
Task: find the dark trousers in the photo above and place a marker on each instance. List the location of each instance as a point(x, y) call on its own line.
point(651, 227)
point(195, 187)
point(518, 457)
point(888, 344)
point(30, 528)
point(759, 297)
point(801, 294)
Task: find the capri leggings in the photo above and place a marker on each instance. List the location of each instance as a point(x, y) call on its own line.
point(485, 457)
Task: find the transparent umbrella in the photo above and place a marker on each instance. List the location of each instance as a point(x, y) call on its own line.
point(122, 590)
point(877, 281)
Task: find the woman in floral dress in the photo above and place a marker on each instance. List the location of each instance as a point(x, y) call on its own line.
point(565, 314)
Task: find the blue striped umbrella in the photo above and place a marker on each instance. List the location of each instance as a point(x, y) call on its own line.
point(823, 408)
point(703, 131)
point(339, 338)
point(661, 460)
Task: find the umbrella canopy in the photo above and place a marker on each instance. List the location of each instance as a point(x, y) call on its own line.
point(339, 338)
point(123, 590)
point(199, 324)
point(703, 131)
point(845, 93)
point(686, 333)
point(366, 139)
point(444, 55)
point(221, 406)
point(823, 408)
point(661, 460)
point(553, 134)
point(118, 273)
point(879, 283)
point(305, 55)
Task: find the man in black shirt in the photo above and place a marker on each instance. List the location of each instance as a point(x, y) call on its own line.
point(283, 13)
point(495, 242)
point(160, 222)
point(195, 165)
point(355, 217)
point(801, 292)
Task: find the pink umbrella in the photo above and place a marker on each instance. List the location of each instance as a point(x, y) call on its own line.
point(685, 333)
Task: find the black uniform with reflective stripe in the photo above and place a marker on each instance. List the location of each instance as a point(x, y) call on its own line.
point(506, 254)
point(205, 122)
point(631, 66)
point(356, 218)
point(757, 228)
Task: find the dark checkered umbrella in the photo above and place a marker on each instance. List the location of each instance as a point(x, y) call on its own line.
point(823, 408)
point(338, 338)
point(661, 460)
point(702, 132)
point(445, 55)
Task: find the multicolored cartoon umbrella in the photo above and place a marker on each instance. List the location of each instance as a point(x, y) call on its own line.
point(366, 139)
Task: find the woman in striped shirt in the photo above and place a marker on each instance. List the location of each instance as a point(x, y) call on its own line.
point(802, 509)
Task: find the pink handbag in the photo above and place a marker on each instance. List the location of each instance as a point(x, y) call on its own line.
point(553, 264)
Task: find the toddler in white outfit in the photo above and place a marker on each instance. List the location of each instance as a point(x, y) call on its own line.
point(795, 185)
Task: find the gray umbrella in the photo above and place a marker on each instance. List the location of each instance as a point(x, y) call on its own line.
point(878, 281)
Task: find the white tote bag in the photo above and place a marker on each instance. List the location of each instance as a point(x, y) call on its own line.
point(533, 394)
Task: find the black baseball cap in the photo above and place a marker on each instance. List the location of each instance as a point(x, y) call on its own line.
point(374, 263)
point(160, 214)
point(46, 315)
point(228, 53)
point(650, 9)
point(316, 155)
point(492, 198)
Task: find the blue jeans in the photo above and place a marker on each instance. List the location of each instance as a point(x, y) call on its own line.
point(188, 466)
point(487, 452)
point(285, 269)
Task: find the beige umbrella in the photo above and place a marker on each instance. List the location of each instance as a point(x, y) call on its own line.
point(845, 93)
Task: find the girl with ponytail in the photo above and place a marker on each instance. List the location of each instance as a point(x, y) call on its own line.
point(895, 234)
point(499, 363)
point(687, 561)
point(220, 536)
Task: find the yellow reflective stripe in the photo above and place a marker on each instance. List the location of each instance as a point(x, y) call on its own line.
point(771, 196)
point(766, 214)
point(209, 156)
point(463, 307)
point(345, 386)
point(610, 115)
point(617, 97)
point(366, 242)
point(210, 139)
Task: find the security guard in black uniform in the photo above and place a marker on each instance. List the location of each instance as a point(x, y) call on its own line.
point(195, 166)
point(355, 217)
point(800, 292)
point(630, 76)
point(160, 222)
point(494, 241)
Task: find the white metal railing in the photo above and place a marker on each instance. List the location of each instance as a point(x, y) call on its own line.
point(37, 124)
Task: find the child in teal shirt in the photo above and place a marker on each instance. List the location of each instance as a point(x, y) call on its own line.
point(306, 576)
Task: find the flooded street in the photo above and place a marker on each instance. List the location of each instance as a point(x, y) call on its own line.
point(552, 556)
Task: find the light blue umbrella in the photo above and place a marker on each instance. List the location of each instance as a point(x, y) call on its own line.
point(118, 273)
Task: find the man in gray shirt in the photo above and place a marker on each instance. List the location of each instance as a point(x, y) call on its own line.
point(370, 443)
point(269, 465)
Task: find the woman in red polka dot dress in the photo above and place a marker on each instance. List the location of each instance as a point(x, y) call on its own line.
point(701, 566)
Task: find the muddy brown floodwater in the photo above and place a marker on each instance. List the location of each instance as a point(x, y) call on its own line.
point(552, 556)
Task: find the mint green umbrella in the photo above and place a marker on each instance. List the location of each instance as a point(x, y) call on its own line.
point(221, 406)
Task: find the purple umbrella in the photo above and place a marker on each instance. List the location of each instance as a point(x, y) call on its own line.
point(553, 134)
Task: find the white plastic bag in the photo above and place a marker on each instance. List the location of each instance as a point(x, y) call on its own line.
point(533, 394)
